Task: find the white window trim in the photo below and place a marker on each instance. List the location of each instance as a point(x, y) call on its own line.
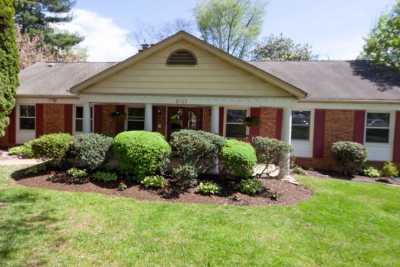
point(247, 109)
point(305, 143)
point(311, 126)
point(127, 116)
point(74, 119)
point(390, 128)
point(387, 147)
point(19, 118)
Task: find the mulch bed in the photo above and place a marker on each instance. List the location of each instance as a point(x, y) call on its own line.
point(355, 178)
point(287, 193)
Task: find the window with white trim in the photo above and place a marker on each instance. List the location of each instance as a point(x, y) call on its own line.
point(27, 117)
point(135, 119)
point(301, 125)
point(79, 119)
point(235, 125)
point(377, 128)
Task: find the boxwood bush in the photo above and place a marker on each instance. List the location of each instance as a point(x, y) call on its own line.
point(23, 151)
point(389, 169)
point(196, 148)
point(90, 151)
point(238, 159)
point(141, 153)
point(270, 150)
point(349, 156)
point(52, 146)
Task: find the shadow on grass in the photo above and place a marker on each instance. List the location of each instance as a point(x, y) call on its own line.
point(24, 227)
point(32, 171)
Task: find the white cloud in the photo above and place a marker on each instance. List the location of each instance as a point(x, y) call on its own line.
point(104, 40)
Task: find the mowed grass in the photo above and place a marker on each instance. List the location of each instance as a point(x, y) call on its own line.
point(343, 224)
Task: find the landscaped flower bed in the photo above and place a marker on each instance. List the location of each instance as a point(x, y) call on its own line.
point(194, 166)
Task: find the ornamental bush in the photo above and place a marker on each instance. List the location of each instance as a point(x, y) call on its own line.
point(251, 186)
point(196, 148)
point(349, 156)
point(90, 151)
point(186, 175)
point(238, 159)
point(141, 153)
point(390, 170)
point(371, 172)
point(52, 146)
point(23, 151)
point(269, 150)
point(155, 182)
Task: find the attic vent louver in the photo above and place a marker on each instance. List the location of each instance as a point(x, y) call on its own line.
point(182, 57)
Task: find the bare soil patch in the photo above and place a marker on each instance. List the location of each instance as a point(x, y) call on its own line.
point(286, 193)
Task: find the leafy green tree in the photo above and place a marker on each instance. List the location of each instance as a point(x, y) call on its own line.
point(8, 62)
point(35, 17)
point(280, 48)
point(383, 44)
point(231, 25)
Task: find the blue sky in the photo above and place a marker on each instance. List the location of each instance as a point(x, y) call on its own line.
point(334, 28)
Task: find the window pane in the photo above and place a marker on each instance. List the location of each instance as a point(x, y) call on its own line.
point(27, 111)
point(300, 133)
point(301, 118)
point(79, 125)
point(237, 116)
point(378, 120)
point(236, 130)
point(79, 112)
point(137, 113)
point(27, 123)
point(377, 135)
point(135, 125)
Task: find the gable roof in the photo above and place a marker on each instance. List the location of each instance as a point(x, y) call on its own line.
point(338, 80)
point(291, 89)
point(56, 79)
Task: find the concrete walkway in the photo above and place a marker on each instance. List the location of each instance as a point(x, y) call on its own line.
point(7, 160)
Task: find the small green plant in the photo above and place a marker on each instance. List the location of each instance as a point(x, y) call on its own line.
point(371, 172)
point(122, 186)
point(208, 188)
point(299, 171)
point(23, 151)
point(105, 176)
point(390, 170)
point(77, 173)
point(251, 186)
point(155, 182)
point(185, 175)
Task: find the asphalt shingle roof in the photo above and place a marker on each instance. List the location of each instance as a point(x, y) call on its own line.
point(322, 80)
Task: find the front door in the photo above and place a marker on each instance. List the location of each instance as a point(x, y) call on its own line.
point(184, 118)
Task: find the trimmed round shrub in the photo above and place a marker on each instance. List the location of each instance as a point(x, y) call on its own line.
point(349, 156)
point(105, 176)
point(52, 146)
point(238, 159)
point(90, 151)
point(155, 182)
point(390, 169)
point(270, 150)
point(141, 153)
point(251, 186)
point(208, 188)
point(197, 148)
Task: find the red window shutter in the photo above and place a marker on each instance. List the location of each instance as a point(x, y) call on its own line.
point(68, 118)
point(221, 121)
point(279, 123)
point(12, 129)
point(120, 125)
point(98, 112)
point(39, 120)
point(255, 131)
point(359, 125)
point(319, 133)
point(396, 144)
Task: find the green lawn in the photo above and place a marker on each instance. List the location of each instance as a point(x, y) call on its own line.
point(343, 224)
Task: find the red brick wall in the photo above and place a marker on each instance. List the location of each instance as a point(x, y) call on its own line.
point(269, 119)
point(339, 126)
point(53, 118)
point(159, 119)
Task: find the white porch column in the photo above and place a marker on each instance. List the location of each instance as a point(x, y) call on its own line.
point(215, 119)
point(86, 118)
point(148, 117)
point(286, 137)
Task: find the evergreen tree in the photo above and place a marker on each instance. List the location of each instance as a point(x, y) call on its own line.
point(8, 62)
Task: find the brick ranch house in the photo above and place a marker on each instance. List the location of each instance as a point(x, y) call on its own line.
point(182, 82)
